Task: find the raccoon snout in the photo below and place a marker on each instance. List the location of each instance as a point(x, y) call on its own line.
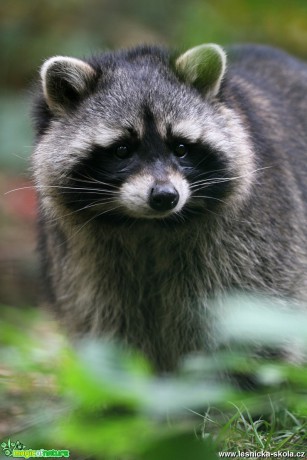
point(163, 197)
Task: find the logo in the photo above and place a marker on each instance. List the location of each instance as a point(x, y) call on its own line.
point(16, 449)
point(10, 446)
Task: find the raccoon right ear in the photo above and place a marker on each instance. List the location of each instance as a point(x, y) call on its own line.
point(66, 81)
point(203, 67)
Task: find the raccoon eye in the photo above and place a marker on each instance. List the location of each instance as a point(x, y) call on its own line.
point(180, 150)
point(122, 152)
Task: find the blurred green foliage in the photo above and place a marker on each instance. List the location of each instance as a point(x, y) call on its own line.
point(33, 30)
point(102, 399)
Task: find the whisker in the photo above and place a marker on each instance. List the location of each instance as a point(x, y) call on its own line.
point(211, 171)
point(209, 198)
point(87, 222)
point(62, 187)
point(89, 206)
point(91, 191)
point(225, 179)
point(193, 211)
point(92, 180)
point(179, 217)
point(20, 188)
point(208, 182)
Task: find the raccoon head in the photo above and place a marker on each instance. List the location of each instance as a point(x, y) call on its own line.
point(139, 134)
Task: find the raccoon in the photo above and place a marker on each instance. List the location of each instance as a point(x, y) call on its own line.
point(164, 180)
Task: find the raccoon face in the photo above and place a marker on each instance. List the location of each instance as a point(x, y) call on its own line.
point(132, 136)
point(149, 175)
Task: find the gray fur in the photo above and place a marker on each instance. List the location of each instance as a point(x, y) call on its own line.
point(151, 285)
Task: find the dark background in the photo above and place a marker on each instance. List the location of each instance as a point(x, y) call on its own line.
point(32, 30)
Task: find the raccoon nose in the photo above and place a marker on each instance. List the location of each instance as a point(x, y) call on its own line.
point(163, 197)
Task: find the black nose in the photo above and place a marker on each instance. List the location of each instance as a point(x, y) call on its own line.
point(163, 197)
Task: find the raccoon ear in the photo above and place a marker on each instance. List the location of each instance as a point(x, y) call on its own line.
point(203, 67)
point(66, 81)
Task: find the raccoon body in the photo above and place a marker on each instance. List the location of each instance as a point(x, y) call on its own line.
point(164, 181)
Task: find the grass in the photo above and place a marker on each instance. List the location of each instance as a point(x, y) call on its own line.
point(243, 432)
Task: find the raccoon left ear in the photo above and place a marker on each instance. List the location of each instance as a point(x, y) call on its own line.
point(66, 81)
point(203, 67)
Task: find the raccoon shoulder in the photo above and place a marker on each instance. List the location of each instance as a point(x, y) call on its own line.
point(271, 69)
